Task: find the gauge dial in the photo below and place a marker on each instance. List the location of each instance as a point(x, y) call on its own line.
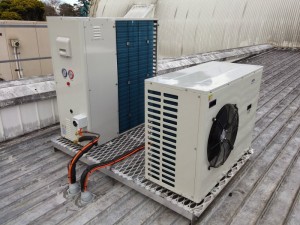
point(64, 72)
point(71, 74)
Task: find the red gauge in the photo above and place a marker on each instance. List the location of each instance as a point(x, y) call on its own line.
point(71, 74)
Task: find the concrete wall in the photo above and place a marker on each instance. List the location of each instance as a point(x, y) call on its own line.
point(189, 27)
point(27, 105)
point(34, 49)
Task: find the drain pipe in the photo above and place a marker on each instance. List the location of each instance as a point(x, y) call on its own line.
point(16, 44)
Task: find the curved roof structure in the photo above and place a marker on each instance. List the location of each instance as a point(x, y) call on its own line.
point(197, 26)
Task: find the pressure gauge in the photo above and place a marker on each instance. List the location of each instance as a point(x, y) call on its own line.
point(71, 74)
point(64, 72)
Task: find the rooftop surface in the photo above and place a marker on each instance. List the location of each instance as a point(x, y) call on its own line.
point(265, 191)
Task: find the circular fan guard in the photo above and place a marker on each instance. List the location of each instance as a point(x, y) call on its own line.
point(222, 135)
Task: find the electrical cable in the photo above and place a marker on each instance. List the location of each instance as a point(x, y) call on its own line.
point(94, 138)
point(92, 168)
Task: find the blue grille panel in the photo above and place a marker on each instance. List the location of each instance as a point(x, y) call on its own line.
point(136, 56)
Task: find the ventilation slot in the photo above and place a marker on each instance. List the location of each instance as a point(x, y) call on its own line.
point(168, 183)
point(170, 121)
point(169, 151)
point(170, 115)
point(155, 172)
point(153, 104)
point(170, 133)
point(171, 102)
point(170, 109)
point(154, 123)
point(154, 111)
point(155, 177)
point(154, 145)
point(154, 134)
point(154, 92)
point(154, 139)
point(170, 128)
point(154, 151)
point(154, 161)
point(154, 166)
point(154, 99)
point(168, 167)
point(169, 139)
point(170, 96)
point(151, 128)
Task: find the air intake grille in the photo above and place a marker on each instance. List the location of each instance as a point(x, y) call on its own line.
point(161, 136)
point(97, 34)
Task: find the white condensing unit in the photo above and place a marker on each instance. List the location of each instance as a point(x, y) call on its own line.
point(100, 65)
point(198, 125)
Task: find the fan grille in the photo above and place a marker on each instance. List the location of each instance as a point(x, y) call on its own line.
point(222, 135)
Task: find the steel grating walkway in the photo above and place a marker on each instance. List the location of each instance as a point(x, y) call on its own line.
point(131, 171)
point(265, 191)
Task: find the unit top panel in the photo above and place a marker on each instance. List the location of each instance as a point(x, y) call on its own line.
point(206, 77)
point(83, 19)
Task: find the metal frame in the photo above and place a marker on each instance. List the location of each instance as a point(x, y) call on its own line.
point(131, 172)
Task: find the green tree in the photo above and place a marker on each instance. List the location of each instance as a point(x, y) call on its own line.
point(54, 3)
point(26, 9)
point(85, 7)
point(66, 9)
point(49, 10)
point(29, 9)
point(10, 16)
point(5, 5)
point(81, 8)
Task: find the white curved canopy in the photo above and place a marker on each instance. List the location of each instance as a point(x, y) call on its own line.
point(196, 26)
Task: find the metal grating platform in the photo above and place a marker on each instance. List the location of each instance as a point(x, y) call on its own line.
point(131, 171)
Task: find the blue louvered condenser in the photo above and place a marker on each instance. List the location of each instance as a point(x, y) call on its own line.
point(136, 58)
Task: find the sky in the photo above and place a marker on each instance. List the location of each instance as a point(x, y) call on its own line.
point(70, 1)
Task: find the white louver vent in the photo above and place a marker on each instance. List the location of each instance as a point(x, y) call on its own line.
point(97, 33)
point(161, 135)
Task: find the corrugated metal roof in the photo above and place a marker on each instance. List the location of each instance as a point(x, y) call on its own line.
point(196, 26)
point(265, 191)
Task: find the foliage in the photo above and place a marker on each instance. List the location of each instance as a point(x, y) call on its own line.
point(66, 9)
point(54, 4)
point(22, 9)
point(10, 16)
point(84, 7)
point(50, 10)
point(5, 5)
point(38, 10)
